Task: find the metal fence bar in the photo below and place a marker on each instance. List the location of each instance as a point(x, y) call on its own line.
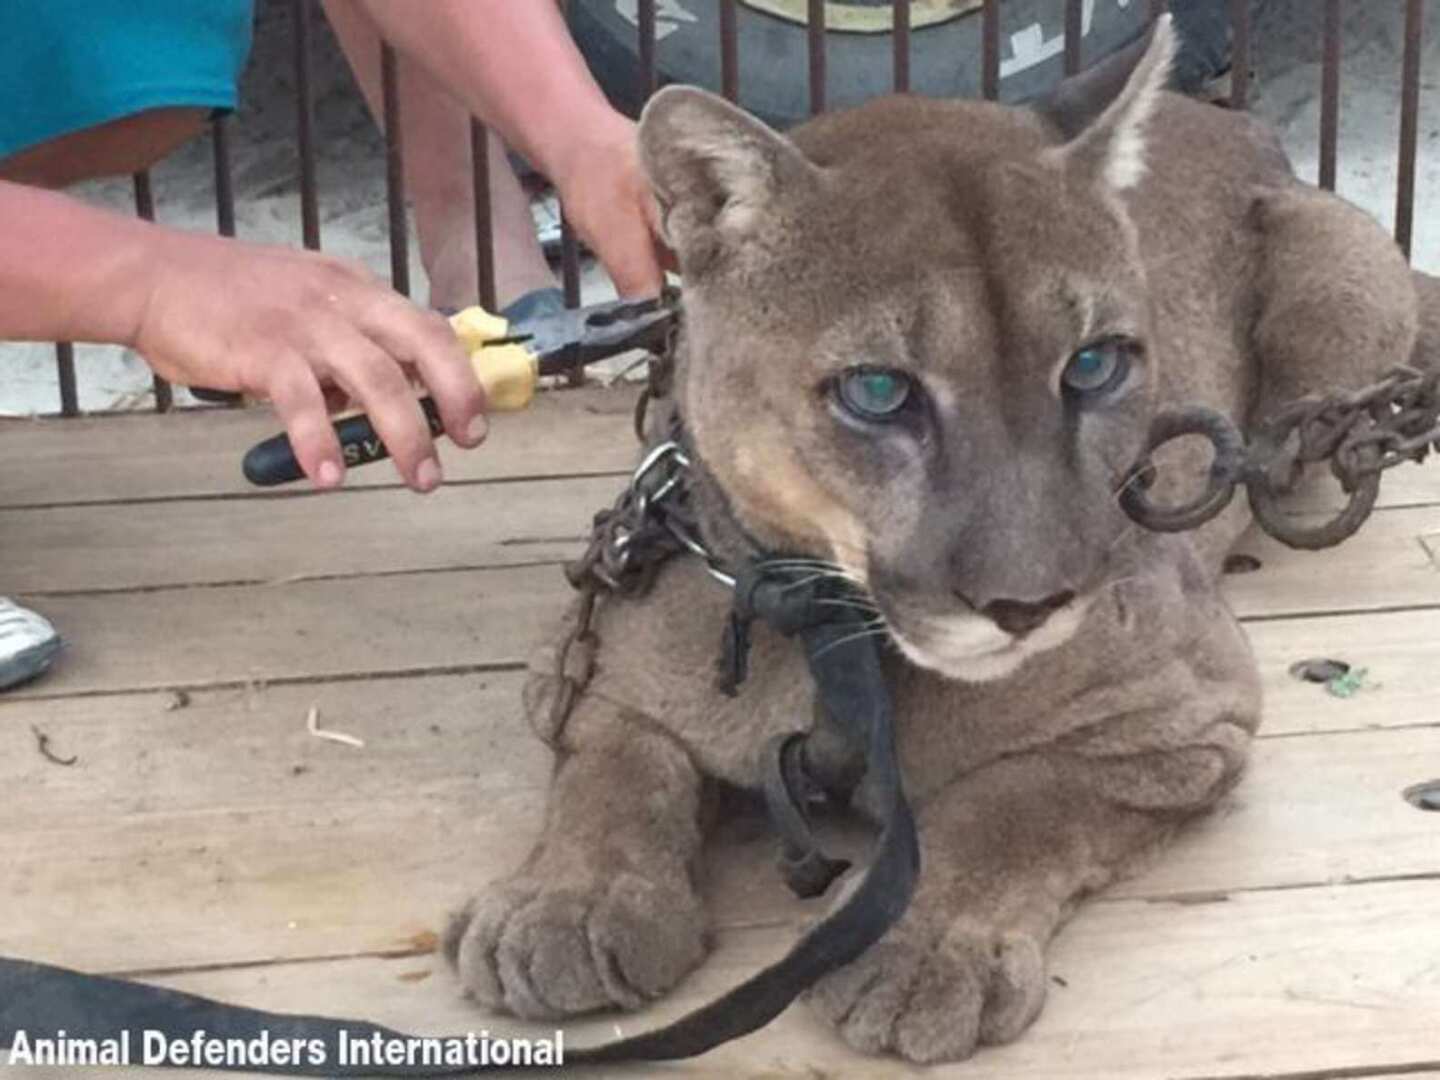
point(395, 170)
point(1240, 54)
point(224, 201)
point(144, 195)
point(65, 372)
point(569, 243)
point(145, 208)
point(1409, 124)
point(569, 261)
point(484, 228)
point(645, 21)
point(1074, 34)
point(990, 50)
point(1330, 97)
point(815, 27)
point(224, 182)
point(729, 51)
point(902, 46)
point(305, 126)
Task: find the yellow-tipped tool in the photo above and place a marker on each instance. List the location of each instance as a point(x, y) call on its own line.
point(507, 359)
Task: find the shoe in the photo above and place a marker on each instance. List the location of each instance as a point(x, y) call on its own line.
point(28, 644)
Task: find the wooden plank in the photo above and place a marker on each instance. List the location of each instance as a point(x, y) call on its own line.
point(1399, 651)
point(159, 755)
point(223, 830)
point(64, 549)
point(260, 633)
point(1390, 563)
point(197, 453)
point(298, 629)
point(346, 533)
point(1326, 982)
point(243, 838)
point(193, 637)
point(1311, 810)
point(362, 848)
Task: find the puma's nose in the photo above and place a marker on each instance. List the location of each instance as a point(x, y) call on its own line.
point(1020, 617)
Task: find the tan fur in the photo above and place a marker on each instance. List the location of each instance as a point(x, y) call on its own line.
point(775, 489)
point(974, 247)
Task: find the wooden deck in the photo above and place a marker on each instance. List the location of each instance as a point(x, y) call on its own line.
point(204, 839)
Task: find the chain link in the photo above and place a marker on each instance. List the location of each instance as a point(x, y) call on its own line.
point(628, 543)
point(1359, 433)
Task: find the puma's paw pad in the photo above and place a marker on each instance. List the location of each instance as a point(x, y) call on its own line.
point(543, 950)
point(936, 1001)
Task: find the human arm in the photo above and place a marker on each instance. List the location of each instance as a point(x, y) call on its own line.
point(274, 323)
point(516, 66)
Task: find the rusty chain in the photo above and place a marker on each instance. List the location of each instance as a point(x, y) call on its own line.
point(628, 543)
point(1360, 433)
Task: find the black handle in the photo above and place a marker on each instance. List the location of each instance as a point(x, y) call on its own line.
point(216, 397)
point(273, 461)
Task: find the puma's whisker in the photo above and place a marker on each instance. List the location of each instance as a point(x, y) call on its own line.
point(870, 632)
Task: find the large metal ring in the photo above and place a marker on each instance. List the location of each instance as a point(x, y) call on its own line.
point(1226, 470)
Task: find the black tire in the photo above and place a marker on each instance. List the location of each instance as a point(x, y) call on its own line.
point(774, 57)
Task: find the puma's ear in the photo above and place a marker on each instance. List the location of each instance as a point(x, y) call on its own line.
point(1111, 149)
point(717, 173)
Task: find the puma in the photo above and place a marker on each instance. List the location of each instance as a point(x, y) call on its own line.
point(924, 342)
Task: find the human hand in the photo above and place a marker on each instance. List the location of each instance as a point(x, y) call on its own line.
point(608, 200)
point(305, 332)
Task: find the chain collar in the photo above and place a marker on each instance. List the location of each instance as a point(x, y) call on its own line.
point(671, 464)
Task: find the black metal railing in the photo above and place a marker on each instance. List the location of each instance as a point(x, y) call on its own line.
point(648, 81)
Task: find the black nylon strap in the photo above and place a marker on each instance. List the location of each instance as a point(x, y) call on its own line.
point(42, 1000)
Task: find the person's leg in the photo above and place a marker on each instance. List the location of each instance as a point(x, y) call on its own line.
point(438, 177)
point(1204, 28)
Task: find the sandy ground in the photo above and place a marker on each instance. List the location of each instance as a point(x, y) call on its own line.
point(351, 169)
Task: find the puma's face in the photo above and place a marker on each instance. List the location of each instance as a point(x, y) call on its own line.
point(917, 342)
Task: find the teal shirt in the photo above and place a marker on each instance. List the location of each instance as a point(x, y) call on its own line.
point(66, 65)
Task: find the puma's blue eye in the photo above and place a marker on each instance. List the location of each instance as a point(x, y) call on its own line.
point(1098, 368)
point(874, 393)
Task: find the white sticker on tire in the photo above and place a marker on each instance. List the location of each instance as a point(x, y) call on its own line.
point(669, 14)
point(1030, 46)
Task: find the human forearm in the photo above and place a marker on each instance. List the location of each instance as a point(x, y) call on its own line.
point(69, 272)
point(295, 328)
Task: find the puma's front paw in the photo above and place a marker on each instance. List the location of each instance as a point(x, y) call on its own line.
point(930, 1000)
point(545, 949)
